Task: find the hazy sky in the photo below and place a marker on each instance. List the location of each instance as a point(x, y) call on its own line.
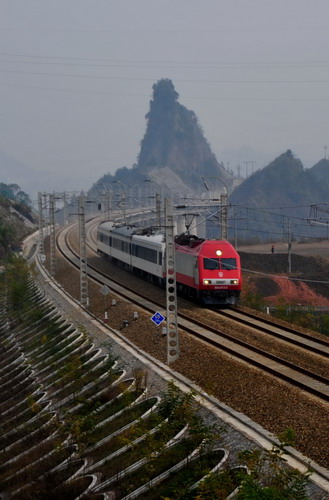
point(76, 79)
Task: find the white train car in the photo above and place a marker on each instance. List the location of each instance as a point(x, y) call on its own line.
point(136, 249)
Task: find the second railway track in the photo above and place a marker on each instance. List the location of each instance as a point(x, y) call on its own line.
point(308, 380)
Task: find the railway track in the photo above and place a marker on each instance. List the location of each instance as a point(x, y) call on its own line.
point(291, 335)
point(246, 318)
point(308, 380)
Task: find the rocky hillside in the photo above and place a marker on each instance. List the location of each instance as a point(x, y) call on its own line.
point(16, 219)
point(174, 151)
point(282, 183)
point(321, 170)
point(278, 198)
point(174, 139)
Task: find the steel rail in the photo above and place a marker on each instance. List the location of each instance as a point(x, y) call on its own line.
point(310, 382)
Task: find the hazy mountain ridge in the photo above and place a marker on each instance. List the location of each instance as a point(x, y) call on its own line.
point(281, 195)
point(282, 183)
point(321, 170)
point(175, 155)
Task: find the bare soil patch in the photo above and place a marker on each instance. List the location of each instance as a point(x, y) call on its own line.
point(268, 275)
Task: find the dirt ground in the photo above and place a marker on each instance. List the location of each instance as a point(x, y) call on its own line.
point(267, 273)
point(312, 249)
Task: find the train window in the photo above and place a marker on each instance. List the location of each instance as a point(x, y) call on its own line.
point(160, 258)
point(145, 253)
point(116, 243)
point(228, 264)
point(211, 263)
point(103, 238)
point(125, 246)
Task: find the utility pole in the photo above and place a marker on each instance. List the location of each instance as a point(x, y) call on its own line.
point(246, 164)
point(84, 298)
point(52, 234)
point(46, 218)
point(41, 227)
point(65, 209)
point(289, 246)
point(123, 204)
point(158, 208)
point(223, 202)
point(108, 205)
point(171, 292)
point(235, 233)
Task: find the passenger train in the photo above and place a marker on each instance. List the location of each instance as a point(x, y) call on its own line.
point(207, 271)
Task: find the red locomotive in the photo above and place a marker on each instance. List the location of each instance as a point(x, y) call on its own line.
point(208, 270)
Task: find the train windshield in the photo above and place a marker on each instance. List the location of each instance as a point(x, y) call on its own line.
point(226, 264)
point(211, 263)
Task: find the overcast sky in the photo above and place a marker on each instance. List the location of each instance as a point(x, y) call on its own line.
point(76, 79)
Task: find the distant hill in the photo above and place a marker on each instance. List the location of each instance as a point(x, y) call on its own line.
point(14, 193)
point(321, 170)
point(277, 199)
point(174, 151)
point(174, 139)
point(16, 218)
point(282, 183)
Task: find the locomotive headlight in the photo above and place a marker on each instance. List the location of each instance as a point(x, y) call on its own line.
point(218, 252)
point(207, 282)
point(234, 282)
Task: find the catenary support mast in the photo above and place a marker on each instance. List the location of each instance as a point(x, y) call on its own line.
point(171, 292)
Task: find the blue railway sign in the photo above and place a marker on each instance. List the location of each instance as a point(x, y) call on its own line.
point(157, 318)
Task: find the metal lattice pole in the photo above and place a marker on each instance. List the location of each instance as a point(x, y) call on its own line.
point(84, 299)
point(289, 246)
point(123, 204)
point(65, 209)
point(41, 226)
point(223, 201)
point(158, 208)
point(46, 214)
point(171, 292)
point(52, 234)
point(109, 204)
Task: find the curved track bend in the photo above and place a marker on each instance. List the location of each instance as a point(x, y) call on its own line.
point(310, 381)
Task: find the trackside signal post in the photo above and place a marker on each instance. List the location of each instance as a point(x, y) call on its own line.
point(171, 292)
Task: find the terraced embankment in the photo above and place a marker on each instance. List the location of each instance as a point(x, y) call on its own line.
point(75, 423)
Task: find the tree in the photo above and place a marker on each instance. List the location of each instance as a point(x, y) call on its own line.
point(269, 477)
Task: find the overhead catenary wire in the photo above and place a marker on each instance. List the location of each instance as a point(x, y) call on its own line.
point(287, 64)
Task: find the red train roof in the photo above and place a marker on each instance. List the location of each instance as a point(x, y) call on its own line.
point(208, 248)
